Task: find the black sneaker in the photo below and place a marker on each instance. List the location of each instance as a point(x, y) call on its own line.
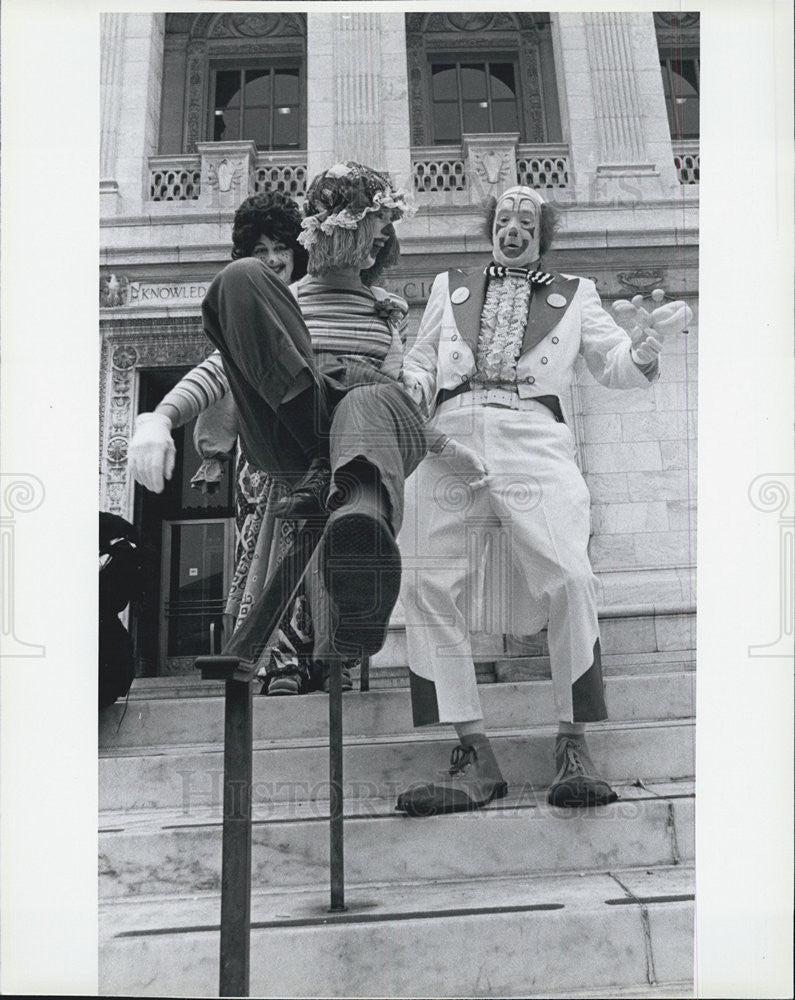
point(309, 496)
point(285, 676)
point(361, 571)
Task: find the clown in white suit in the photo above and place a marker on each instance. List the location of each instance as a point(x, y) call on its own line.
point(493, 357)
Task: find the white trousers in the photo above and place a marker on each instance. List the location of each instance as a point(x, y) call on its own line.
point(535, 509)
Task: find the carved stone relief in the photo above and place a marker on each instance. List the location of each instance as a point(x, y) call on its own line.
point(197, 87)
point(677, 19)
point(476, 21)
point(492, 166)
point(677, 31)
point(469, 22)
point(113, 290)
point(532, 89)
point(256, 25)
point(160, 343)
point(642, 281)
point(225, 173)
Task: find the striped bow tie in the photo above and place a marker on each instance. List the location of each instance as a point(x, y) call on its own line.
point(534, 277)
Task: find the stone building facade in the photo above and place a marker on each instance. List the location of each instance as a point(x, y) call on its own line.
point(598, 111)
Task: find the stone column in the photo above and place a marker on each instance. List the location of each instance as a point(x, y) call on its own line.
point(612, 88)
point(110, 75)
point(139, 107)
point(358, 92)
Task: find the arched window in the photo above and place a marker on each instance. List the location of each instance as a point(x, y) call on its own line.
point(234, 76)
point(258, 102)
point(481, 72)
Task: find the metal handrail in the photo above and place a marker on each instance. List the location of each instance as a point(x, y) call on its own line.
point(236, 666)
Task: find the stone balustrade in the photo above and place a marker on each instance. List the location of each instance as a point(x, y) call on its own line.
point(222, 168)
point(174, 178)
point(484, 165)
point(452, 175)
point(687, 160)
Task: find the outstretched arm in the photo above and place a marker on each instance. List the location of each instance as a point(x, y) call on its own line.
point(608, 344)
point(152, 453)
point(203, 386)
point(649, 330)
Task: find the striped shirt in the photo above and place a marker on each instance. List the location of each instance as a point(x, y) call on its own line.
point(342, 322)
point(203, 386)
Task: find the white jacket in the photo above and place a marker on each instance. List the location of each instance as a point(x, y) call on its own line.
point(573, 323)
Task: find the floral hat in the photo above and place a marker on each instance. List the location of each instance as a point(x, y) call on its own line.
point(343, 195)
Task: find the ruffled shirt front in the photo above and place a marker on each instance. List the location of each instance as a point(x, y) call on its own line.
point(502, 328)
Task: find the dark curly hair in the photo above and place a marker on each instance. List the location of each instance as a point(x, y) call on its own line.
point(275, 215)
point(550, 223)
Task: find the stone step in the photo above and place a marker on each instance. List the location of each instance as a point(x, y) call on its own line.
point(157, 721)
point(645, 629)
point(164, 852)
point(484, 937)
point(190, 777)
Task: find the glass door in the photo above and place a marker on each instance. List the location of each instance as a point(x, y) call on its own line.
point(197, 569)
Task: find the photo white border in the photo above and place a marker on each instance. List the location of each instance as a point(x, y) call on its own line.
point(49, 428)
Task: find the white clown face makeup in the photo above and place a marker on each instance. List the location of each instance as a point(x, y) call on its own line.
point(516, 233)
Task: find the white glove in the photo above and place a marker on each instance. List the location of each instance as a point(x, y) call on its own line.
point(152, 452)
point(671, 319)
point(649, 330)
point(464, 462)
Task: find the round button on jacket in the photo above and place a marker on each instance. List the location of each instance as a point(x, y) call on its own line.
point(456, 355)
point(555, 340)
point(544, 361)
point(531, 379)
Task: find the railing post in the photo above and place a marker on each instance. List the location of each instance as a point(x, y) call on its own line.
point(236, 841)
point(236, 852)
point(364, 674)
point(336, 850)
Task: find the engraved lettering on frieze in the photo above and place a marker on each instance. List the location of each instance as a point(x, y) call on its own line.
point(148, 293)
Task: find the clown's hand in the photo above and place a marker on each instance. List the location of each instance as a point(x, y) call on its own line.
point(645, 348)
point(671, 319)
point(412, 386)
point(631, 316)
point(152, 452)
point(462, 460)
